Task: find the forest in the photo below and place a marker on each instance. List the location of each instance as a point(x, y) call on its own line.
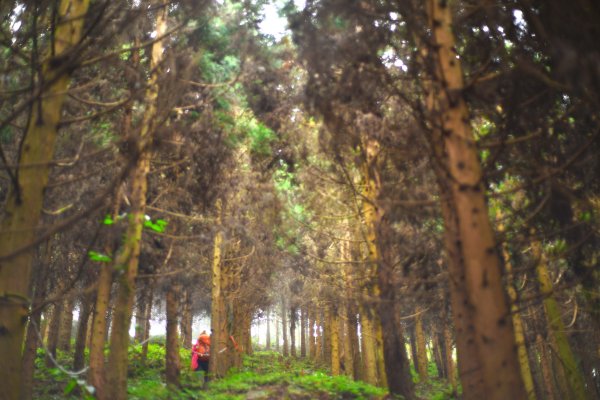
point(356, 199)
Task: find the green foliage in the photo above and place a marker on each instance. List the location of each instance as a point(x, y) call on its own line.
point(155, 358)
point(6, 135)
point(284, 180)
point(339, 386)
point(246, 128)
point(557, 247)
point(102, 133)
point(99, 257)
point(157, 226)
point(435, 389)
point(268, 375)
point(59, 383)
point(260, 137)
point(263, 375)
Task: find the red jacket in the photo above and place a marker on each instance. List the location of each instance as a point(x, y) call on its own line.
point(200, 350)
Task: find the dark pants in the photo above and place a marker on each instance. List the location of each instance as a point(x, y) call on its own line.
point(203, 366)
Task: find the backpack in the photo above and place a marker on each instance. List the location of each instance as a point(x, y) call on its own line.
point(203, 350)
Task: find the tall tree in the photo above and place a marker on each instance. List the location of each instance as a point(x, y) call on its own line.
point(479, 275)
point(128, 257)
point(24, 205)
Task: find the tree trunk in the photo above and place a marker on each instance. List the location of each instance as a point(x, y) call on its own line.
point(85, 311)
point(66, 325)
point(29, 356)
point(173, 364)
point(99, 327)
point(353, 337)
point(293, 318)
point(327, 334)
point(334, 335)
point(303, 331)
point(319, 337)
point(574, 378)
point(312, 353)
point(368, 347)
point(23, 207)
point(147, 316)
point(140, 313)
point(284, 323)
point(217, 311)
point(516, 317)
point(268, 344)
point(186, 319)
point(276, 333)
point(437, 350)
point(128, 258)
point(379, 353)
point(477, 274)
point(247, 334)
point(32, 340)
point(348, 345)
point(450, 370)
point(53, 333)
point(421, 348)
point(548, 386)
point(396, 367)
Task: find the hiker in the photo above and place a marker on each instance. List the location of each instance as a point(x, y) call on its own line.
point(201, 354)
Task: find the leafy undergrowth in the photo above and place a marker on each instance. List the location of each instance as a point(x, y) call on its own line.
point(268, 375)
point(263, 376)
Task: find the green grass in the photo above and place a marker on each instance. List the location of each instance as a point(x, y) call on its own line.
point(262, 376)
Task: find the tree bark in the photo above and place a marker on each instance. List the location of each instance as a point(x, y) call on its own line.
point(450, 369)
point(293, 319)
point(53, 332)
point(276, 321)
point(421, 347)
point(548, 386)
point(186, 319)
point(477, 274)
point(303, 331)
point(29, 355)
point(217, 310)
point(140, 313)
point(319, 337)
point(23, 207)
point(574, 377)
point(368, 347)
point(516, 318)
point(66, 325)
point(334, 334)
point(85, 311)
point(413, 348)
point(32, 340)
point(173, 364)
point(312, 353)
point(99, 330)
point(147, 317)
point(437, 349)
point(348, 344)
point(284, 324)
point(268, 338)
point(128, 258)
point(353, 337)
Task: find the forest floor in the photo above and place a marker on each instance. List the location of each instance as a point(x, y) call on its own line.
point(263, 376)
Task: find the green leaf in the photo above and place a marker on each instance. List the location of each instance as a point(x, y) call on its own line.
point(585, 216)
point(157, 226)
point(95, 256)
point(70, 386)
point(108, 220)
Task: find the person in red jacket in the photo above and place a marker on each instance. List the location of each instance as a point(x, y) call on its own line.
point(201, 353)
